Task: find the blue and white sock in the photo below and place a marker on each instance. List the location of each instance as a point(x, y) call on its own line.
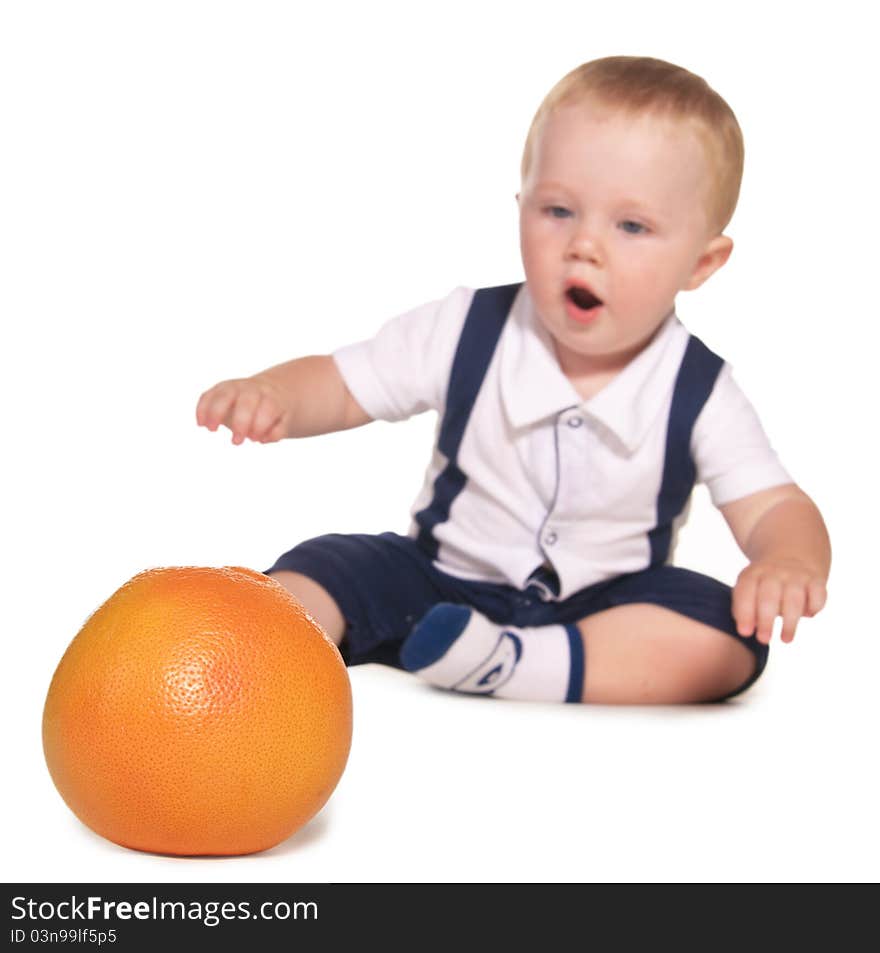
point(457, 648)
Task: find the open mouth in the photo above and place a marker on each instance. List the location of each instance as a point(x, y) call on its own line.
point(582, 297)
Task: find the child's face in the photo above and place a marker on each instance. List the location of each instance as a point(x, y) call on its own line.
point(617, 205)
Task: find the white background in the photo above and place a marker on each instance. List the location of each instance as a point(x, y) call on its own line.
point(196, 190)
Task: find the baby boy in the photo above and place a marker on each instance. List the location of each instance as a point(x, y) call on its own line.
point(575, 416)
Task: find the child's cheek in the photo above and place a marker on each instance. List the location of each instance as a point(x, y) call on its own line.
point(642, 286)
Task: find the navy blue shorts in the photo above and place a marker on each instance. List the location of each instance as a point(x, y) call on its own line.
point(384, 584)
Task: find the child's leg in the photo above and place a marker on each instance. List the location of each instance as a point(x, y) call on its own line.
point(316, 599)
point(365, 590)
point(646, 654)
point(632, 654)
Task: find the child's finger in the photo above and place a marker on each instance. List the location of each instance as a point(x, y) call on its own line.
point(276, 433)
point(743, 604)
point(793, 601)
point(241, 418)
point(200, 409)
point(816, 597)
point(266, 416)
point(769, 603)
point(213, 406)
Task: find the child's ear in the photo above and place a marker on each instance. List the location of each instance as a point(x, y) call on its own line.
point(713, 257)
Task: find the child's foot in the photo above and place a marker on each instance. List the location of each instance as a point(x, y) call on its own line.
point(457, 648)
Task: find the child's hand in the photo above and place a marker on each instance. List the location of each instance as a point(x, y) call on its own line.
point(251, 408)
point(779, 587)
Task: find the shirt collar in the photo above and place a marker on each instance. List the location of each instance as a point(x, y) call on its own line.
point(534, 387)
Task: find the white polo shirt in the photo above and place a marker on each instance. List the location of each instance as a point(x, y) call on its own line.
point(551, 479)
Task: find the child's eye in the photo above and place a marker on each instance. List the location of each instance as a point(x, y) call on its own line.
point(631, 227)
point(557, 211)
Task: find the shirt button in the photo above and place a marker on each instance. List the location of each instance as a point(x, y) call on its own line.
point(550, 538)
point(575, 421)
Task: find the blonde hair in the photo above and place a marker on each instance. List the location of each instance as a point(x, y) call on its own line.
point(641, 84)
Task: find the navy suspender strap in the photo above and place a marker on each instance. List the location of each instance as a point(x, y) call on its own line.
point(476, 345)
point(696, 377)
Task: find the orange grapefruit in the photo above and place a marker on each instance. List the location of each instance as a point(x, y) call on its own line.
point(199, 710)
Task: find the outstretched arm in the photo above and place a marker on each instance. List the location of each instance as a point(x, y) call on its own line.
point(783, 535)
point(301, 398)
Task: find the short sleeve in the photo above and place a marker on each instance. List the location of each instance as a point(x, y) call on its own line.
point(404, 369)
point(733, 456)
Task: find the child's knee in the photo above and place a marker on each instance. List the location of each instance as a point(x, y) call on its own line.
point(319, 603)
point(728, 666)
point(642, 653)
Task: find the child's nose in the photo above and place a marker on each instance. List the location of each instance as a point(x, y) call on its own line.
point(584, 246)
